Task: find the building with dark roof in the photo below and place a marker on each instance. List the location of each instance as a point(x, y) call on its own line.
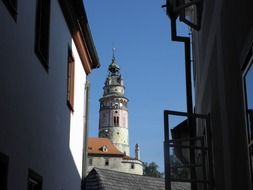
point(103, 179)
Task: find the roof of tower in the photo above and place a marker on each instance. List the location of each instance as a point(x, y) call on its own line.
point(102, 146)
point(113, 67)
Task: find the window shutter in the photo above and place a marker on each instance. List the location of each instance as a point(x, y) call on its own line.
point(71, 80)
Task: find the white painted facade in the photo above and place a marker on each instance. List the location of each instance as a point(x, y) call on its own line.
point(38, 130)
point(116, 163)
point(77, 117)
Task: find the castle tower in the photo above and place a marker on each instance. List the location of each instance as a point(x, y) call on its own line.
point(113, 113)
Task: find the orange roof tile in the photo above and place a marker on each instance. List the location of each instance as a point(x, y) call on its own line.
point(95, 146)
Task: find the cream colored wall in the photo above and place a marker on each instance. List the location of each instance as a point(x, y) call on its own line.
point(126, 166)
point(118, 136)
point(99, 162)
point(117, 164)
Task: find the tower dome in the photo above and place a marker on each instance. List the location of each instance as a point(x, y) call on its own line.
point(114, 68)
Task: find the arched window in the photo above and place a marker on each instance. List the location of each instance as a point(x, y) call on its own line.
point(116, 120)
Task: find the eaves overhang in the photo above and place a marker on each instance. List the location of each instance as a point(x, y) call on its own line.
point(106, 155)
point(76, 18)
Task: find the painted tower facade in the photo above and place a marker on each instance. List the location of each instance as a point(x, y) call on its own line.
point(113, 114)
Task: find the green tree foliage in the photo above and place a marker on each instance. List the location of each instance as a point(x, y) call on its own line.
point(151, 169)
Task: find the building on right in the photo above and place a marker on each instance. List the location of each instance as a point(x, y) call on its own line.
point(223, 85)
point(222, 68)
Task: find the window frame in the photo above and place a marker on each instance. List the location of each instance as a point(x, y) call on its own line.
point(90, 162)
point(70, 79)
point(34, 177)
point(12, 6)
point(42, 31)
point(249, 128)
point(4, 161)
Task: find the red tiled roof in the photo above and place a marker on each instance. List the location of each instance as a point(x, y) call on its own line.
point(95, 147)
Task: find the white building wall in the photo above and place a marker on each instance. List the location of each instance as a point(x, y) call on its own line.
point(99, 162)
point(132, 166)
point(77, 117)
point(117, 164)
point(35, 127)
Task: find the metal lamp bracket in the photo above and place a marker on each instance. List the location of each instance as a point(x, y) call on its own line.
point(177, 8)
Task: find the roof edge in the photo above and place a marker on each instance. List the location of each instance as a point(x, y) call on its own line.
point(106, 155)
point(76, 18)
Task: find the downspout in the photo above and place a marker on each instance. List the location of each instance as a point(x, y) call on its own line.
point(188, 83)
point(85, 133)
point(187, 48)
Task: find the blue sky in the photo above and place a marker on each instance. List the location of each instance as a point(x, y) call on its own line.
point(152, 67)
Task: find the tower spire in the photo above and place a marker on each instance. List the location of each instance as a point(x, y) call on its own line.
point(113, 68)
point(113, 54)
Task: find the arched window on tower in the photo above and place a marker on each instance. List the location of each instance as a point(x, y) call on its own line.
point(116, 120)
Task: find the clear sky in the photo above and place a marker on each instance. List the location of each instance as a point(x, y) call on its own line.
point(152, 67)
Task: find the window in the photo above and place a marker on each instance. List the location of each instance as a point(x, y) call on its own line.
point(132, 166)
point(70, 80)
point(248, 93)
point(106, 162)
point(42, 31)
point(116, 120)
point(90, 162)
point(104, 148)
point(34, 181)
point(4, 162)
point(12, 7)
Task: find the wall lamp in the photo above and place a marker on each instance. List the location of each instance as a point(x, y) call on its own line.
point(184, 9)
